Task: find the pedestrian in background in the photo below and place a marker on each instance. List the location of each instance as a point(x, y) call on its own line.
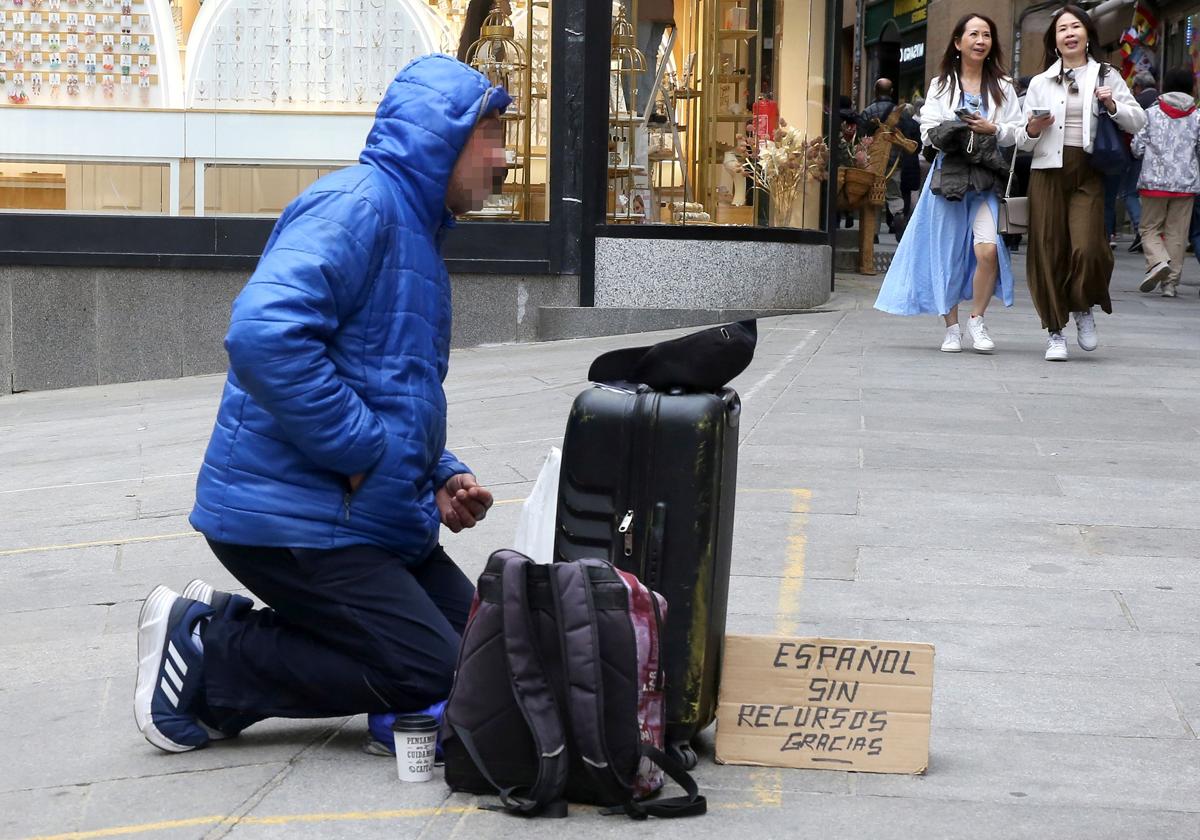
point(1169, 148)
point(910, 162)
point(1070, 264)
point(1145, 91)
point(951, 252)
point(872, 119)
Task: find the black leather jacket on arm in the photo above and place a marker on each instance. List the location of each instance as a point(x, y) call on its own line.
point(970, 161)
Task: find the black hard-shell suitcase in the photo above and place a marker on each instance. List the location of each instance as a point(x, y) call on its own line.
point(648, 482)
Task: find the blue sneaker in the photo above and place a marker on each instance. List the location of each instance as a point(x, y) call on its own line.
point(170, 671)
point(381, 740)
point(225, 605)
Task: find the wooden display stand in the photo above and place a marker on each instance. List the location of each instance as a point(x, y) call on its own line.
point(865, 189)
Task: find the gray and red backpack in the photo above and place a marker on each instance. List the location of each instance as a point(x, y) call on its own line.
point(558, 695)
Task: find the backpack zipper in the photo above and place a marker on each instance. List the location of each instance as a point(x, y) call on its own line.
point(660, 677)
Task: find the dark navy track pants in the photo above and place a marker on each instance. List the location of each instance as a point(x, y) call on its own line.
point(341, 632)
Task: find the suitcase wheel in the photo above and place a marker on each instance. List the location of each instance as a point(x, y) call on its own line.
point(685, 754)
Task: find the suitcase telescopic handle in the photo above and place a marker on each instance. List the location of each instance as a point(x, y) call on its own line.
point(733, 405)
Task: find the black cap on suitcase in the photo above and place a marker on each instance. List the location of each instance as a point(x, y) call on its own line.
point(703, 361)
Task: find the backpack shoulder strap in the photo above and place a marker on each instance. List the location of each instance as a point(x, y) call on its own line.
point(585, 701)
point(534, 697)
point(582, 669)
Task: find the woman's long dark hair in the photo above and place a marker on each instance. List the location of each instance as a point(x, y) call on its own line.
point(994, 71)
point(1051, 42)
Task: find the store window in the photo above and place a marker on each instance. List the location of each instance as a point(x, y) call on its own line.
point(1182, 47)
point(233, 107)
point(717, 113)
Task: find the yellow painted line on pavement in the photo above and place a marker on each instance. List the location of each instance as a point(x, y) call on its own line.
point(788, 607)
point(35, 549)
point(292, 819)
point(281, 819)
point(124, 830)
point(767, 783)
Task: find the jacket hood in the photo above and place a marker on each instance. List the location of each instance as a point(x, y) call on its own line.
point(423, 122)
point(1176, 105)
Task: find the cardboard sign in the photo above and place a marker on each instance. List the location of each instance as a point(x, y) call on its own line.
point(830, 704)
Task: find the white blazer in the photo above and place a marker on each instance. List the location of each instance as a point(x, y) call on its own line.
point(1046, 92)
point(940, 106)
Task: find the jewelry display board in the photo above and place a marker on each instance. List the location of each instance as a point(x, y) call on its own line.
point(107, 87)
point(104, 53)
point(303, 54)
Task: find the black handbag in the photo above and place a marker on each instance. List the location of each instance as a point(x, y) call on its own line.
point(1110, 155)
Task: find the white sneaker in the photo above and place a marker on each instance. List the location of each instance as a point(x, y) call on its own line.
point(980, 339)
point(952, 343)
point(1154, 276)
point(1056, 348)
point(1169, 291)
point(1085, 330)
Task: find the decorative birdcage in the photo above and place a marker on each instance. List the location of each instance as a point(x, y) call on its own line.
point(626, 65)
point(497, 54)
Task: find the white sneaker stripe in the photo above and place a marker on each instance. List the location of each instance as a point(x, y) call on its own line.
point(174, 675)
point(176, 658)
point(170, 692)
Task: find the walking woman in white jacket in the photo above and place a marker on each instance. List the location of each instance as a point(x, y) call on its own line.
point(1070, 263)
point(951, 253)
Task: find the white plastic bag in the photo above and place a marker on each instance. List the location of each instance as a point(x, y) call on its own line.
point(535, 529)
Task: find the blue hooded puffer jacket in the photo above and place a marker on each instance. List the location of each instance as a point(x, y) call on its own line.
point(338, 345)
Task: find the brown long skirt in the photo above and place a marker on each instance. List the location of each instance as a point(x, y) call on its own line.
point(1070, 264)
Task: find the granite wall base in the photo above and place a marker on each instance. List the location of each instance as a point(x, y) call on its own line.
point(6, 344)
point(699, 274)
point(68, 327)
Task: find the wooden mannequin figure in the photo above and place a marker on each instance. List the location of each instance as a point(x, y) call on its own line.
point(886, 136)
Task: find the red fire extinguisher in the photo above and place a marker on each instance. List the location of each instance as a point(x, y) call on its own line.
point(766, 118)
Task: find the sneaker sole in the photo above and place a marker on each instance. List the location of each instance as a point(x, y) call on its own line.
point(1151, 282)
point(1056, 358)
point(987, 351)
point(373, 747)
point(198, 590)
point(152, 635)
point(951, 349)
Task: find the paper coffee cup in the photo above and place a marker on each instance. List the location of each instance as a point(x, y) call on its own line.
point(416, 741)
